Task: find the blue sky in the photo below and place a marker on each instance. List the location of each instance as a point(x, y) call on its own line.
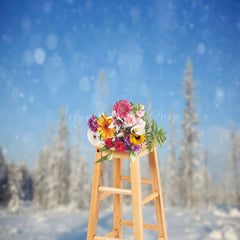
point(51, 54)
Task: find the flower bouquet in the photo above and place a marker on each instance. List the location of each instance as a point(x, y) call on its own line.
point(126, 130)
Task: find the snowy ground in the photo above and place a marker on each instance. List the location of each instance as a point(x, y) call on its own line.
point(30, 224)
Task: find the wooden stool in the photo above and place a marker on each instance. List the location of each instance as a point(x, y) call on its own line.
point(99, 193)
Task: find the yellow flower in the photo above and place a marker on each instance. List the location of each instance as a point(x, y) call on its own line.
point(104, 122)
point(137, 139)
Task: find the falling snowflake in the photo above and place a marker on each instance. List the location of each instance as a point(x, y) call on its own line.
point(39, 56)
point(219, 97)
point(191, 25)
point(201, 48)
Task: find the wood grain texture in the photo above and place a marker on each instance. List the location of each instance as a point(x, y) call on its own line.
point(100, 192)
point(95, 197)
point(150, 197)
point(143, 180)
point(106, 238)
point(104, 195)
point(112, 234)
point(145, 225)
point(117, 198)
point(136, 199)
point(115, 190)
point(125, 155)
point(158, 202)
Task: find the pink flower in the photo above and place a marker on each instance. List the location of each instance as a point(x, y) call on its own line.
point(130, 120)
point(122, 108)
point(141, 122)
point(140, 113)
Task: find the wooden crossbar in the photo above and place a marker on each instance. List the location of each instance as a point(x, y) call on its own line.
point(143, 180)
point(143, 153)
point(112, 234)
point(149, 198)
point(107, 238)
point(145, 225)
point(104, 195)
point(113, 190)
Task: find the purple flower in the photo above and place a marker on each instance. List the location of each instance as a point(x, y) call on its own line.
point(127, 140)
point(92, 123)
point(126, 148)
point(136, 148)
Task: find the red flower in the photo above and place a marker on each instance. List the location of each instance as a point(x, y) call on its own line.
point(120, 147)
point(109, 143)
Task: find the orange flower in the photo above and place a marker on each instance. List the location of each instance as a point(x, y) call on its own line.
point(104, 122)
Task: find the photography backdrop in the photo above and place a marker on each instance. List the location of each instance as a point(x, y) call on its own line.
point(52, 53)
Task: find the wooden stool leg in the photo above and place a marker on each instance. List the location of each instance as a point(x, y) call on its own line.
point(136, 199)
point(158, 202)
point(117, 198)
point(95, 198)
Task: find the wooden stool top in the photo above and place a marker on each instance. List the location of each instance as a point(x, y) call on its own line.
point(125, 155)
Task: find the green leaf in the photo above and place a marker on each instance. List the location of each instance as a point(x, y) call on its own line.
point(152, 125)
point(132, 156)
point(106, 157)
point(104, 148)
point(110, 156)
point(158, 140)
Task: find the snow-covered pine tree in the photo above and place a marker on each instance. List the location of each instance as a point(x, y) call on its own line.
point(54, 184)
point(79, 184)
point(225, 184)
point(14, 187)
point(190, 144)
point(59, 166)
point(37, 188)
point(66, 157)
point(40, 175)
point(207, 180)
point(238, 169)
point(235, 166)
point(41, 172)
point(4, 191)
point(25, 182)
point(172, 177)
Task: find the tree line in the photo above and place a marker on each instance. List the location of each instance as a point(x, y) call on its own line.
point(187, 181)
point(61, 175)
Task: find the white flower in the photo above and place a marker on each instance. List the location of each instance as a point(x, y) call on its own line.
point(120, 134)
point(94, 138)
point(140, 106)
point(101, 115)
point(117, 121)
point(138, 129)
